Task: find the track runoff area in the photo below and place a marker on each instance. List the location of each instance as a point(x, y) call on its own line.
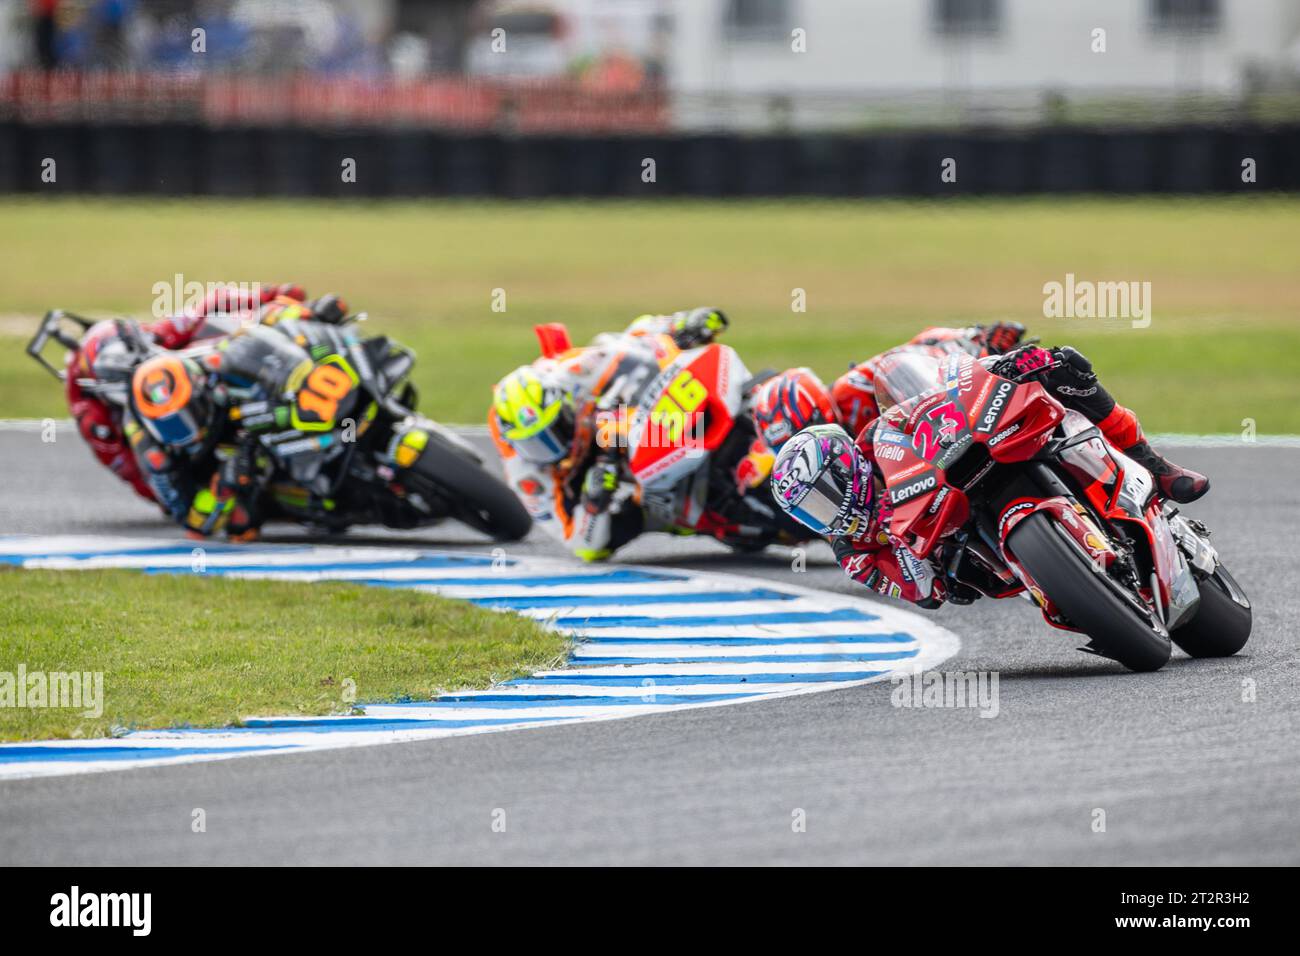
point(645, 640)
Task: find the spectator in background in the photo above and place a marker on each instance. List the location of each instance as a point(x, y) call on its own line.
point(614, 71)
point(44, 13)
point(110, 32)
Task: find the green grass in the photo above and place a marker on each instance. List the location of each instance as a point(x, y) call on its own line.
point(1224, 344)
point(207, 651)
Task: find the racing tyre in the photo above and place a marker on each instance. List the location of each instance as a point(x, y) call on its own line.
point(1067, 577)
point(1221, 625)
point(476, 497)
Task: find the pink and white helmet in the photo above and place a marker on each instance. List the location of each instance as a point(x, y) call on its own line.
point(823, 481)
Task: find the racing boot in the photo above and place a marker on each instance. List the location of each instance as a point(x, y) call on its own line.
point(1072, 380)
point(1175, 483)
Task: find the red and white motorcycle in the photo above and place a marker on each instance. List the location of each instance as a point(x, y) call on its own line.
point(1010, 493)
point(685, 429)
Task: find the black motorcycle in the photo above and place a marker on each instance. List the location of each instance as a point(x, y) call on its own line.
point(371, 459)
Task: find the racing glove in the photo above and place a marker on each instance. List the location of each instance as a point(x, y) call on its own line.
point(1024, 362)
point(598, 486)
point(891, 570)
point(1001, 337)
point(328, 308)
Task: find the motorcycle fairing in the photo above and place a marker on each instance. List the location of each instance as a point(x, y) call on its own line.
point(1124, 492)
point(684, 414)
point(919, 444)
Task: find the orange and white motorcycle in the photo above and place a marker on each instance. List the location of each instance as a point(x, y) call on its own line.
point(684, 432)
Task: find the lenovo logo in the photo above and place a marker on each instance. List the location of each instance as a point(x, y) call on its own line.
point(997, 405)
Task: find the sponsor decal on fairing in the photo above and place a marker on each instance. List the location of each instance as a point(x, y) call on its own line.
point(996, 407)
point(920, 486)
point(939, 499)
point(1012, 516)
point(1004, 434)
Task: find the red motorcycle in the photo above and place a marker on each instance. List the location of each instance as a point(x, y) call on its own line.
point(1008, 492)
point(684, 428)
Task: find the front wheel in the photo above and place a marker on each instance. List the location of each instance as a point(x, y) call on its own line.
point(1068, 579)
point(473, 495)
point(1221, 625)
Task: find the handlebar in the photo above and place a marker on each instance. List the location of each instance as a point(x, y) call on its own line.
point(50, 328)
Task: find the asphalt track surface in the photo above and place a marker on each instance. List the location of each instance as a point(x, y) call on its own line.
point(1186, 771)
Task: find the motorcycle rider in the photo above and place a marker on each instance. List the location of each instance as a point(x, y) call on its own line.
point(105, 356)
point(560, 449)
point(825, 479)
point(854, 392)
point(797, 397)
point(193, 418)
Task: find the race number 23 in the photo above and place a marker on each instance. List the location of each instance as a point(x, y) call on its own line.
point(926, 438)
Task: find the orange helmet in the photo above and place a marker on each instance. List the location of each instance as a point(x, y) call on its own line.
point(789, 403)
point(169, 397)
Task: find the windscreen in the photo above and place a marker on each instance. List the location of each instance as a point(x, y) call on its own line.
point(904, 375)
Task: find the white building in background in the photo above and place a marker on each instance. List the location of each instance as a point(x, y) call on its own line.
point(13, 41)
point(745, 45)
point(1005, 54)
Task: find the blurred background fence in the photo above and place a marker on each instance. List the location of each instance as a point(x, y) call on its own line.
point(175, 158)
point(528, 98)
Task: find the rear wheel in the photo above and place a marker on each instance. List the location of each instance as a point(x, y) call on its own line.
point(1091, 604)
point(474, 495)
point(1221, 626)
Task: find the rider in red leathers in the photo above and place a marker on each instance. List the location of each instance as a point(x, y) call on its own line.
point(854, 392)
point(827, 480)
point(102, 353)
point(797, 398)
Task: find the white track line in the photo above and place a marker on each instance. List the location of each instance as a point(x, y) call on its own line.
point(673, 640)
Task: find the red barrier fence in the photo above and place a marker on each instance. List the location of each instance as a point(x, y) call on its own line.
point(550, 106)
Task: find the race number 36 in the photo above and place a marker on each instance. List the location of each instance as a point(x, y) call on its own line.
point(683, 396)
